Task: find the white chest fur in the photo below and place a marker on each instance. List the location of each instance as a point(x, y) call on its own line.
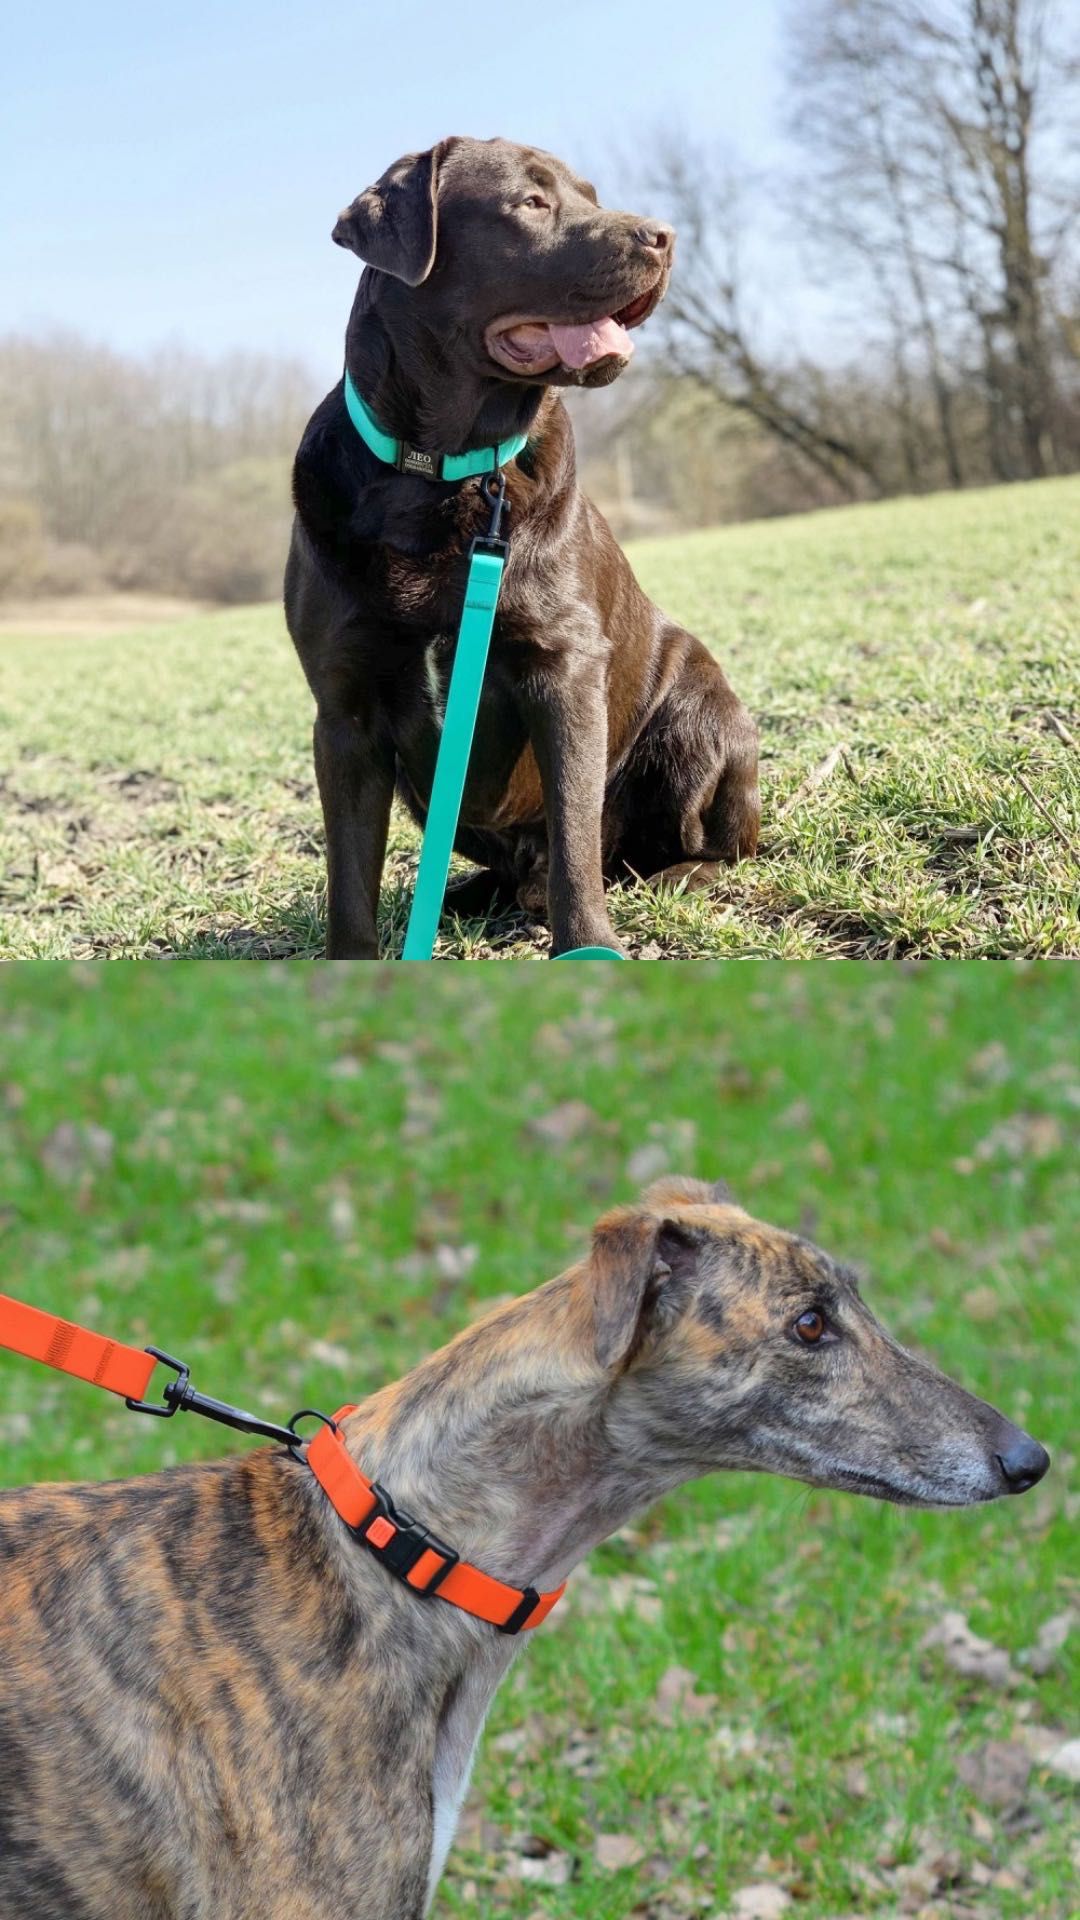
point(455, 1750)
point(447, 1809)
point(434, 680)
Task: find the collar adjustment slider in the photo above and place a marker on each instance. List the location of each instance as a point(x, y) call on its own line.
point(529, 1600)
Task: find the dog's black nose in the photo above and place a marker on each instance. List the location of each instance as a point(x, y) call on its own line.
point(657, 239)
point(1023, 1463)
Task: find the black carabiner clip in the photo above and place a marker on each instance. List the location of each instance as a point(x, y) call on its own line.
point(493, 487)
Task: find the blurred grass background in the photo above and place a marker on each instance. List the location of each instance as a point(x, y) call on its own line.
point(301, 1181)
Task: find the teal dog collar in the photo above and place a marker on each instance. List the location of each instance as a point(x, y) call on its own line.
point(427, 466)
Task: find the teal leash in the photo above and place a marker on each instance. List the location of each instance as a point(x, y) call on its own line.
point(487, 559)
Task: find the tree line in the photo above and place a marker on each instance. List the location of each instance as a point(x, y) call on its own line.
point(169, 473)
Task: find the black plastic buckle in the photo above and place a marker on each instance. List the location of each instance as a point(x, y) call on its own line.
point(173, 1394)
point(530, 1599)
point(409, 1543)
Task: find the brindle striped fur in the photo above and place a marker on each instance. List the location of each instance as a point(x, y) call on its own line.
point(215, 1705)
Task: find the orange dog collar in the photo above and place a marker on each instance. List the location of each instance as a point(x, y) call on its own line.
point(406, 1548)
point(415, 1555)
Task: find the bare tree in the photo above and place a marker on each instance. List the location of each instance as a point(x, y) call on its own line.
point(940, 164)
point(1000, 50)
point(862, 206)
point(709, 338)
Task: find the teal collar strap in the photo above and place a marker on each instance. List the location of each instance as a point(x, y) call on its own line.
point(427, 466)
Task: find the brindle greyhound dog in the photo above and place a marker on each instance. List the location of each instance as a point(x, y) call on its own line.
point(216, 1705)
point(608, 742)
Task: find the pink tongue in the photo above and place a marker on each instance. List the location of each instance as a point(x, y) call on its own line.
point(580, 346)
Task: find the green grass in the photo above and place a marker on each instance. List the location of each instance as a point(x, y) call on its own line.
point(302, 1181)
point(160, 798)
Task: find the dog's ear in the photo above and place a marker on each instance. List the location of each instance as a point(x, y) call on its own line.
point(673, 1189)
point(394, 224)
point(640, 1267)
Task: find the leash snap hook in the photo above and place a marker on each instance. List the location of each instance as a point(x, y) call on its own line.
point(493, 488)
point(173, 1394)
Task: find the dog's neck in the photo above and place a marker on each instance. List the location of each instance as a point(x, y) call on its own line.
point(418, 394)
point(510, 1445)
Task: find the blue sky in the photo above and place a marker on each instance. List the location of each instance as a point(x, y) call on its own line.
point(172, 174)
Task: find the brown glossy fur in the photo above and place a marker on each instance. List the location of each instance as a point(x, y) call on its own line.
point(608, 741)
point(216, 1705)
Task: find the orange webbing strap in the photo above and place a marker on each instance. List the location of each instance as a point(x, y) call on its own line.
point(490, 1599)
point(353, 1496)
point(89, 1356)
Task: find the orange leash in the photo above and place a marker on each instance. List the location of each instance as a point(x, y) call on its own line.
point(89, 1356)
point(409, 1550)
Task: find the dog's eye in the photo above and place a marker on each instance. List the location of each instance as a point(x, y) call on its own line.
point(810, 1327)
point(535, 200)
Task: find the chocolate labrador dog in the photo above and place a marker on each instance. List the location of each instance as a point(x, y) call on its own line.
point(608, 743)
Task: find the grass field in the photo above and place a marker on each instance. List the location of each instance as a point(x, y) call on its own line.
point(919, 659)
point(301, 1182)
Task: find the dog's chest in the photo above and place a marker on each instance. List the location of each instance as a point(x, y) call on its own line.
point(421, 596)
point(412, 617)
point(457, 1738)
point(416, 707)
